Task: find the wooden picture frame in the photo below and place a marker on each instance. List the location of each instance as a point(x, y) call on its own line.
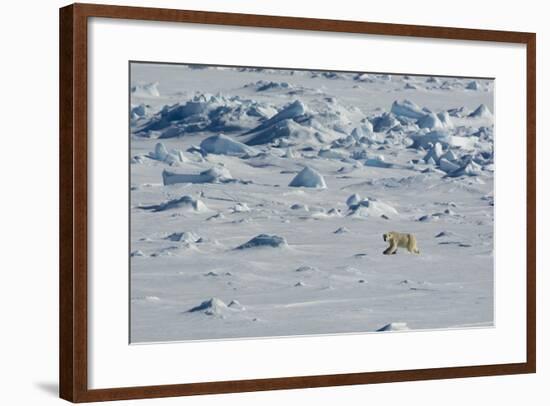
point(73, 209)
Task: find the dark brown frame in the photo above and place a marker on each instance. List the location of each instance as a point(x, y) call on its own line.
point(73, 332)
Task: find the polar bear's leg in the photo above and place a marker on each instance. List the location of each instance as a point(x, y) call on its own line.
point(411, 246)
point(392, 248)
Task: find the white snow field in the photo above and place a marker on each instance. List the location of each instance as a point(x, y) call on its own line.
point(259, 198)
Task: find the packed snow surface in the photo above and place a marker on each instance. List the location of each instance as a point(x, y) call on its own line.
point(259, 197)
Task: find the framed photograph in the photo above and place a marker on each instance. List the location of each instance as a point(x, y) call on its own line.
point(255, 203)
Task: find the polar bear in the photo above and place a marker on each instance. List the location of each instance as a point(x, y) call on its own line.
point(402, 240)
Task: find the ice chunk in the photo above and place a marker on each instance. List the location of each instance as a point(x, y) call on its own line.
point(385, 122)
point(186, 202)
point(235, 304)
point(240, 208)
point(281, 130)
point(372, 207)
point(160, 152)
point(353, 200)
point(217, 174)
point(457, 112)
point(291, 153)
point(445, 119)
point(423, 140)
point(224, 145)
point(210, 307)
point(366, 125)
point(450, 156)
point(473, 85)
point(137, 159)
point(146, 299)
point(470, 169)
point(430, 121)
point(170, 157)
point(217, 216)
point(341, 230)
point(145, 89)
point(308, 177)
point(204, 113)
point(447, 166)
point(264, 240)
point(307, 268)
point(407, 108)
point(292, 110)
point(263, 85)
point(330, 153)
point(377, 161)
point(481, 112)
point(357, 133)
point(139, 111)
point(185, 236)
point(434, 154)
point(395, 326)
point(299, 206)
point(363, 77)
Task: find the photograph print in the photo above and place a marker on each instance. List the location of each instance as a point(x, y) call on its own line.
point(276, 202)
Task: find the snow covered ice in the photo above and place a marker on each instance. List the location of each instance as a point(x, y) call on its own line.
point(259, 197)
